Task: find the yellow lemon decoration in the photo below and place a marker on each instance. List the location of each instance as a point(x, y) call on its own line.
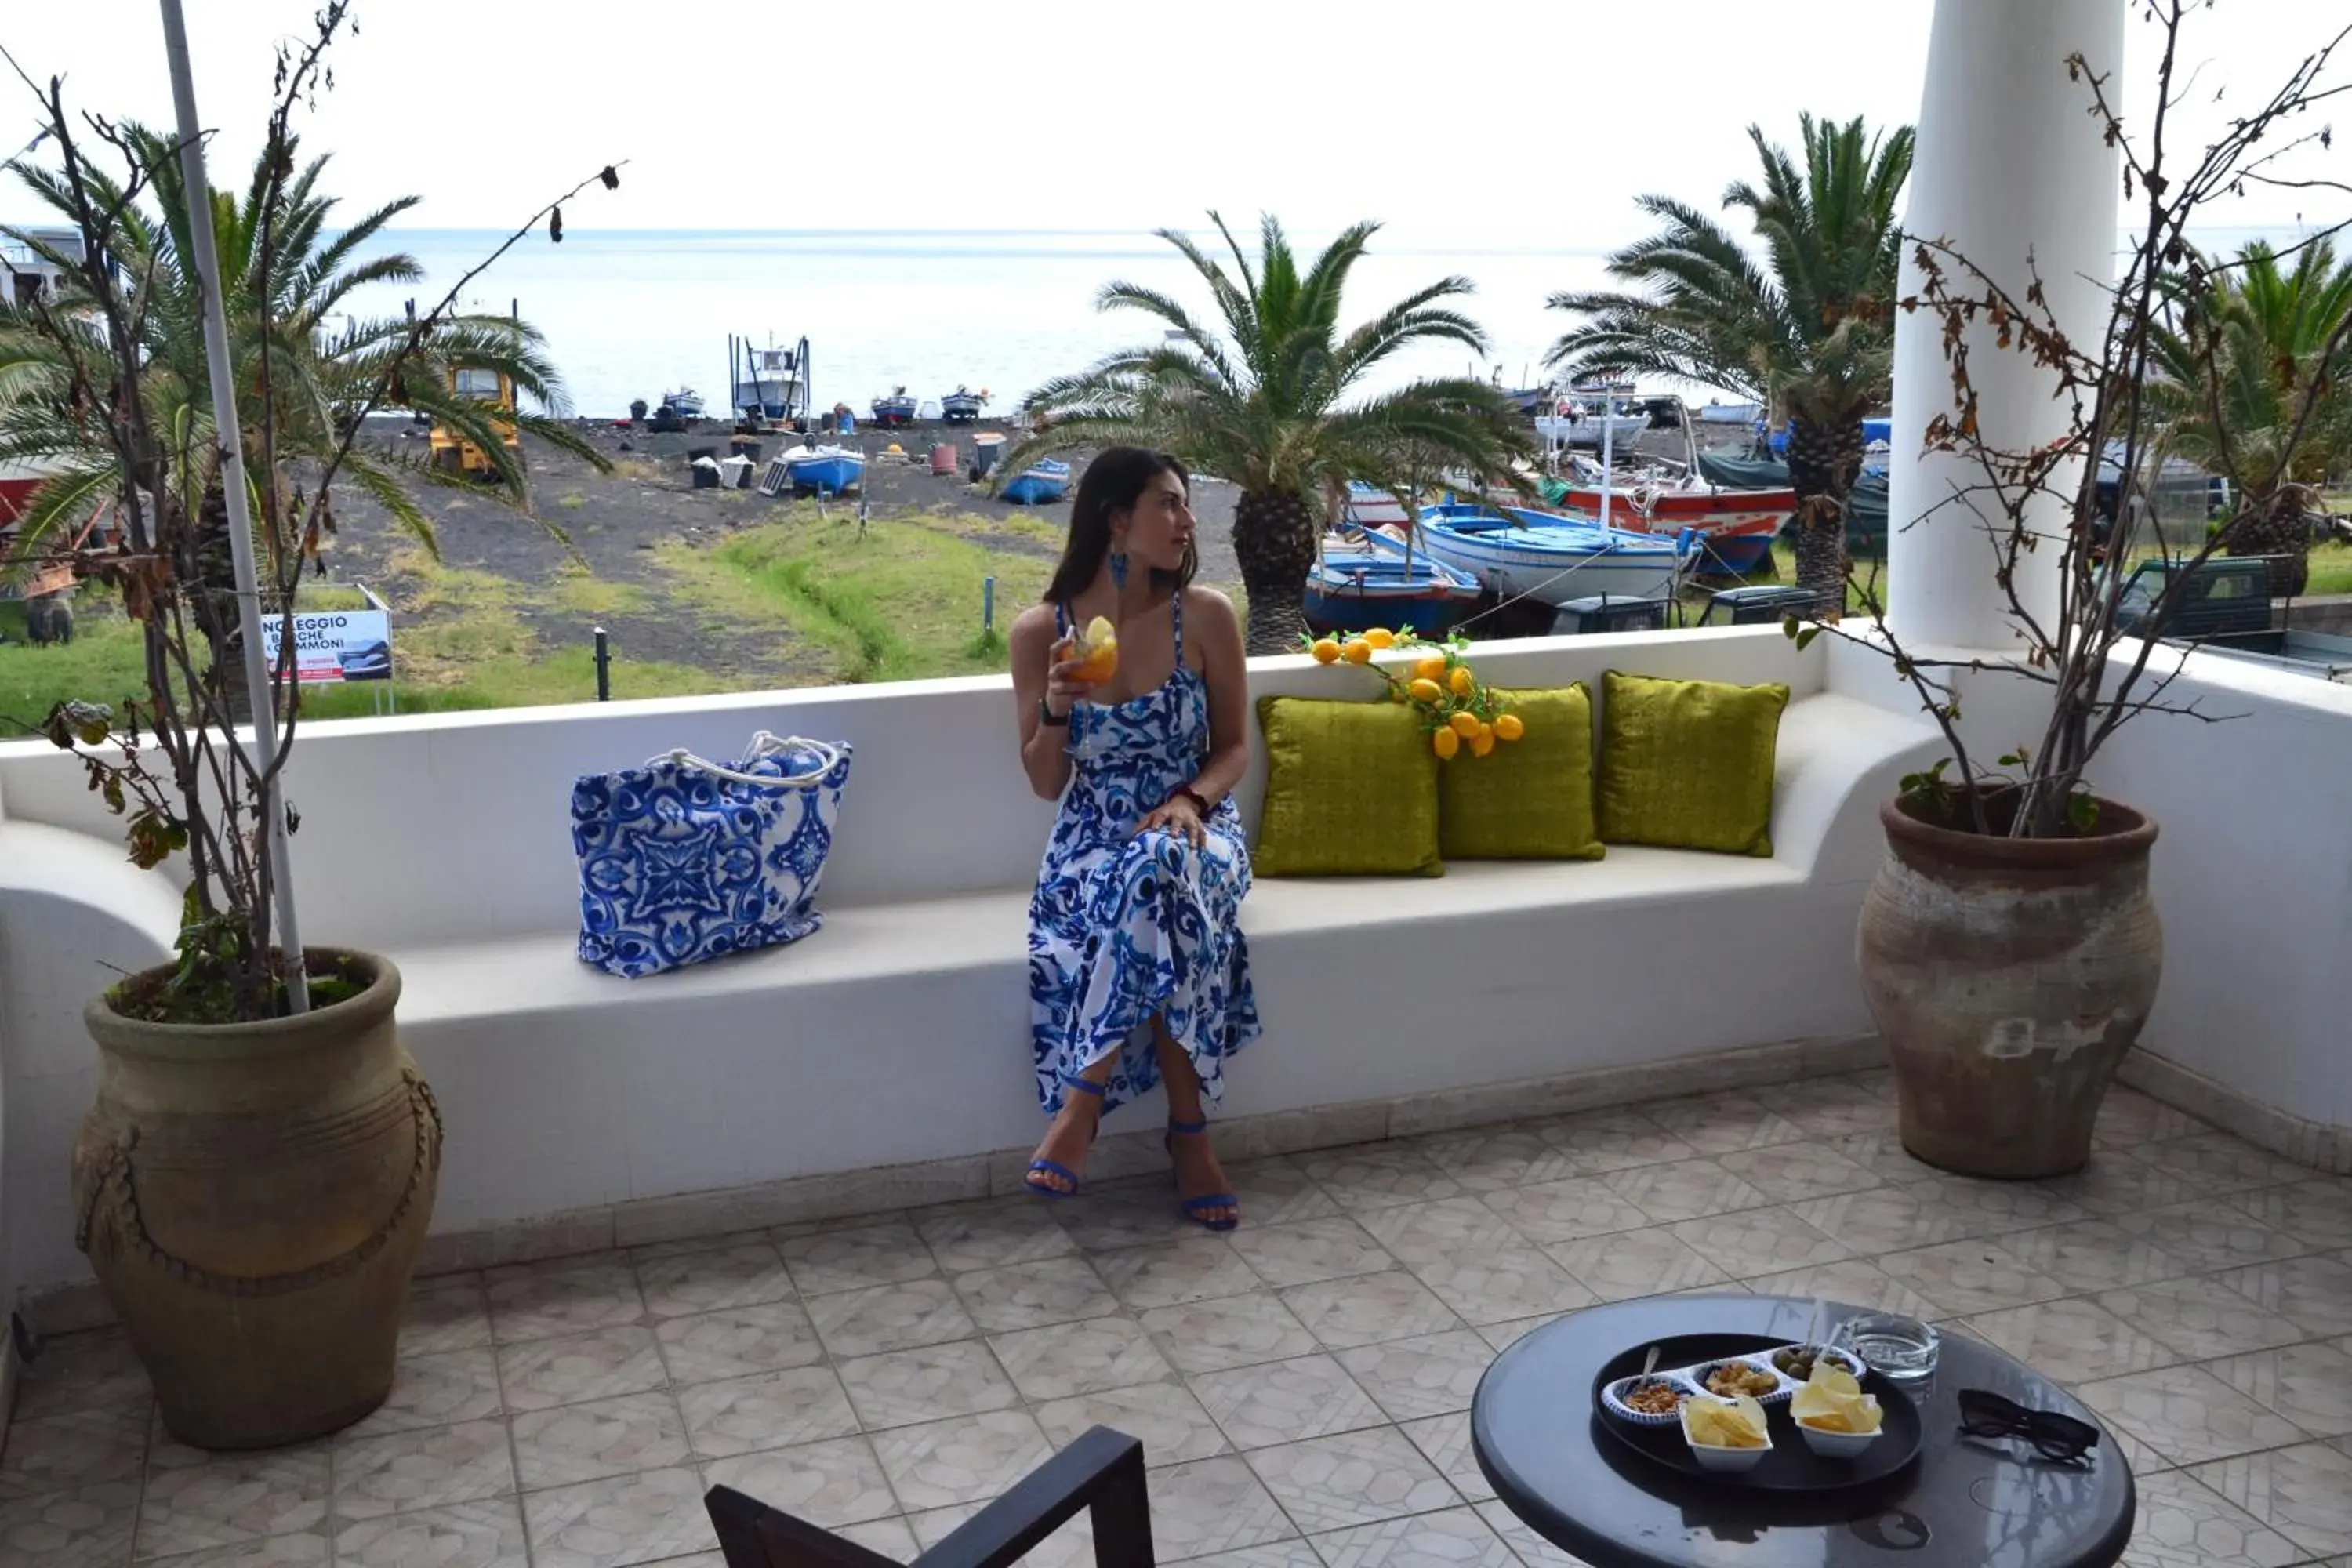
point(1461, 711)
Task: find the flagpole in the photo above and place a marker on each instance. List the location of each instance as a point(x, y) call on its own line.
point(228, 437)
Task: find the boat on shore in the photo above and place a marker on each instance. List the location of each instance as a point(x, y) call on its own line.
point(1368, 508)
point(894, 410)
point(1363, 578)
point(825, 470)
point(771, 382)
point(1735, 527)
point(1519, 552)
point(1730, 413)
point(962, 406)
point(686, 403)
point(1042, 482)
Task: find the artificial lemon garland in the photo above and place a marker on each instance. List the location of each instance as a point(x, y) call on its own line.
point(1459, 710)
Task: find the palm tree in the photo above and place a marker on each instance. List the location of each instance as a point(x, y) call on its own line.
point(284, 276)
point(1809, 332)
point(2267, 335)
point(1274, 403)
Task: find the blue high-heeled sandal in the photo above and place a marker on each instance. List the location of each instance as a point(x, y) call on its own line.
point(1083, 1086)
point(1194, 1208)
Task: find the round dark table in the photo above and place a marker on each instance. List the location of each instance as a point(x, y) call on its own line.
point(1985, 1504)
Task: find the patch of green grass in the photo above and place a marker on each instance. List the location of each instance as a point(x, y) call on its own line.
point(2331, 569)
point(572, 503)
point(106, 662)
point(899, 601)
point(539, 680)
point(580, 592)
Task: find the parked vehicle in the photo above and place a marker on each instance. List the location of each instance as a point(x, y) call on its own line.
point(452, 453)
point(2224, 606)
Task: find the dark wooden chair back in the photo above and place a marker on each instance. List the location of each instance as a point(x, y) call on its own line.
point(1101, 1472)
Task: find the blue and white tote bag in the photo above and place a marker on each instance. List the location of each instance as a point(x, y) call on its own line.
point(683, 860)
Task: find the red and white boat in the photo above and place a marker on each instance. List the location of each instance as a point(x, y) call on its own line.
point(1736, 525)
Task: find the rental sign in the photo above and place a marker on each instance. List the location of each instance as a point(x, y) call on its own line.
point(333, 645)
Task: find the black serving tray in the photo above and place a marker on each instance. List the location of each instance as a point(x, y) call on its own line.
point(1791, 1466)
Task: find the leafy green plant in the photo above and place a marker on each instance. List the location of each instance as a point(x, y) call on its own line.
point(1808, 332)
point(105, 383)
point(1275, 402)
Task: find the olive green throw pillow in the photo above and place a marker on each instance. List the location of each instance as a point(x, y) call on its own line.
point(1529, 799)
point(1688, 764)
point(1350, 790)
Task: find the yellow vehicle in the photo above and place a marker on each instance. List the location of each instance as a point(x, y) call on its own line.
point(452, 453)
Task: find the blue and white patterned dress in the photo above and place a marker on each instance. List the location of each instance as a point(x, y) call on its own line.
point(1123, 925)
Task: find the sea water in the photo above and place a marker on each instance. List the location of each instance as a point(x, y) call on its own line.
point(635, 313)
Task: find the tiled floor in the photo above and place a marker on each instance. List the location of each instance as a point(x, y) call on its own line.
point(1300, 1386)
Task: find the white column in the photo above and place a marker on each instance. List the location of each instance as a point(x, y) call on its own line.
point(2009, 164)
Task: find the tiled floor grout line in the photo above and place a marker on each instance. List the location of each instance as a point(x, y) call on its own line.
point(506, 1423)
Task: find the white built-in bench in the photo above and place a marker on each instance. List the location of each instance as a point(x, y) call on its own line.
point(900, 1034)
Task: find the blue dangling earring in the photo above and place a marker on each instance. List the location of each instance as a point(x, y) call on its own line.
point(1118, 570)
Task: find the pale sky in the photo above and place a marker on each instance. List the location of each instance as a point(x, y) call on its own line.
point(1505, 124)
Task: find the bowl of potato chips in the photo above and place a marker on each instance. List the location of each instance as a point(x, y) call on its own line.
point(1726, 1436)
point(1835, 1416)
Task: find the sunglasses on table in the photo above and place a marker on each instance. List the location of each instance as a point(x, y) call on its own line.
point(2060, 1438)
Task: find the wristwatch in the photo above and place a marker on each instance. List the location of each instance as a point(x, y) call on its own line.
point(1048, 716)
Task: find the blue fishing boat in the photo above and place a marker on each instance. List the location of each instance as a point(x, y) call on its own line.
point(1045, 481)
point(894, 410)
point(1363, 578)
point(1520, 552)
point(825, 470)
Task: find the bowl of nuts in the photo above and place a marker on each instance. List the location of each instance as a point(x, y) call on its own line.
point(1654, 1400)
point(1751, 1376)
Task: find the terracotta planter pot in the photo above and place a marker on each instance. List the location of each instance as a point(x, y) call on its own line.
point(2009, 977)
point(252, 1198)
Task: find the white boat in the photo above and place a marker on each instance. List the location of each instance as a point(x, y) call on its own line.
point(685, 402)
point(1741, 413)
point(1591, 419)
point(773, 380)
point(1370, 508)
point(1518, 551)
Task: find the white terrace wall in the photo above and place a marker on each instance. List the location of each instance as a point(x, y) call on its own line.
point(2253, 875)
point(424, 836)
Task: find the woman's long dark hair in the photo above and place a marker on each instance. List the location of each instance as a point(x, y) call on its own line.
point(1112, 483)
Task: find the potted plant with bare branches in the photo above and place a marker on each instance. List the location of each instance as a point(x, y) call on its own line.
point(2009, 949)
point(254, 1180)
